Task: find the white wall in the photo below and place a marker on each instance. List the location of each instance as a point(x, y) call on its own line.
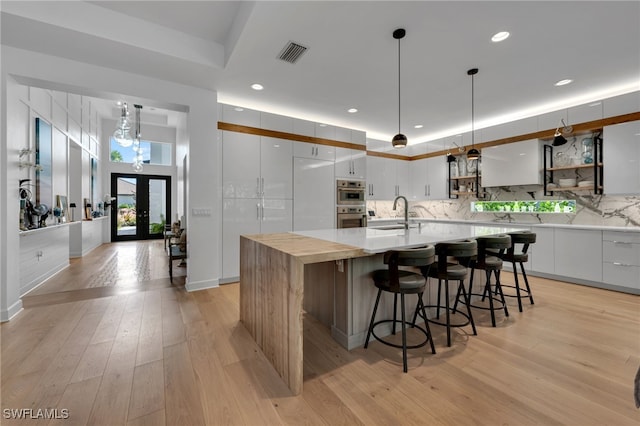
point(75, 77)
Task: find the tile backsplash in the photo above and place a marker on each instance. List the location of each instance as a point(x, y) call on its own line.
point(598, 210)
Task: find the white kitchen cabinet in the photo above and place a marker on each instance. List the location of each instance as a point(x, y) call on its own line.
point(242, 216)
point(314, 151)
point(578, 253)
point(428, 179)
point(239, 216)
point(402, 177)
point(275, 168)
point(314, 205)
point(255, 166)
point(518, 163)
point(621, 259)
point(276, 122)
point(240, 165)
point(381, 178)
point(621, 152)
point(351, 163)
point(542, 252)
point(243, 116)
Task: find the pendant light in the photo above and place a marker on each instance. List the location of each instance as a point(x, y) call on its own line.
point(473, 153)
point(399, 140)
point(122, 134)
point(137, 149)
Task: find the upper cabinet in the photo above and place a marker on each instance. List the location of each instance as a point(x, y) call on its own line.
point(621, 146)
point(256, 167)
point(351, 163)
point(428, 179)
point(314, 151)
point(518, 163)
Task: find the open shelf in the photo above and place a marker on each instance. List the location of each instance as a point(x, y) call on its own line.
point(574, 167)
point(574, 188)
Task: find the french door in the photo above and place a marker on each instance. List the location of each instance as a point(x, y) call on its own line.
point(141, 208)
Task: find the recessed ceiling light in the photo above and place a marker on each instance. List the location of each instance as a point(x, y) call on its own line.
point(256, 86)
point(239, 109)
point(564, 82)
point(352, 110)
point(418, 126)
point(502, 35)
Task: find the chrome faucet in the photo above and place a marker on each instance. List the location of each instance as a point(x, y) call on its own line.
point(406, 209)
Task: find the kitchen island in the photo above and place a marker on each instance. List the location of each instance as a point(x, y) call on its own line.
point(325, 273)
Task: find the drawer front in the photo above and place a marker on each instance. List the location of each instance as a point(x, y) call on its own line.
point(621, 252)
point(625, 237)
point(624, 276)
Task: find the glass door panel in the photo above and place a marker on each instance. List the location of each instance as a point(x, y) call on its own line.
point(157, 206)
point(126, 206)
point(142, 206)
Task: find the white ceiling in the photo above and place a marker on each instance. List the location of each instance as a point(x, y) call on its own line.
point(352, 56)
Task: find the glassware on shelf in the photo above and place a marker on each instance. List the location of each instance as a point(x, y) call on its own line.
point(462, 166)
point(587, 150)
point(560, 159)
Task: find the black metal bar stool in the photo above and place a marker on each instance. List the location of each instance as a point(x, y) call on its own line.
point(444, 270)
point(517, 253)
point(401, 282)
point(489, 249)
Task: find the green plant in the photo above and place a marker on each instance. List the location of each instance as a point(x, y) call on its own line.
point(116, 156)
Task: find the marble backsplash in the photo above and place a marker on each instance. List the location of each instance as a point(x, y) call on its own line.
point(598, 210)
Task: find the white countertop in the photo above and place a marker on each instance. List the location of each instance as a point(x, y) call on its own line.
point(379, 241)
point(380, 221)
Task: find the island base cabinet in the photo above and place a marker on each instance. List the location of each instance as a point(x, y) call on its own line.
point(355, 295)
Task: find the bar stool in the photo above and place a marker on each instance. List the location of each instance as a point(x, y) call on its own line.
point(401, 282)
point(444, 270)
point(488, 259)
point(523, 238)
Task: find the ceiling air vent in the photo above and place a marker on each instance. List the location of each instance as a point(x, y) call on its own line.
point(292, 52)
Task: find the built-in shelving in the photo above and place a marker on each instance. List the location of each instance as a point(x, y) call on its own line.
point(597, 166)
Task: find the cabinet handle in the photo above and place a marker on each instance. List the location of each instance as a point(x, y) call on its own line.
point(258, 211)
point(262, 208)
point(262, 187)
point(621, 264)
point(429, 190)
point(258, 186)
point(621, 242)
point(425, 190)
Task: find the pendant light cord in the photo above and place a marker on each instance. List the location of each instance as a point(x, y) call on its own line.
point(399, 85)
point(472, 72)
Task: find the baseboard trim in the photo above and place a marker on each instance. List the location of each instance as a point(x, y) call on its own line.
point(201, 285)
point(12, 311)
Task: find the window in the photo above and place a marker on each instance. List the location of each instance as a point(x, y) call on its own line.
point(156, 153)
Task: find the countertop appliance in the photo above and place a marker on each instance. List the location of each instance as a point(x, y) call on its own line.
point(351, 217)
point(350, 192)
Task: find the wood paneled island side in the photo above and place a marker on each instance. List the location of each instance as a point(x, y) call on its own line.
point(271, 294)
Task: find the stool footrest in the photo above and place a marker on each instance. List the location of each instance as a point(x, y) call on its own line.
point(454, 311)
point(381, 340)
point(496, 307)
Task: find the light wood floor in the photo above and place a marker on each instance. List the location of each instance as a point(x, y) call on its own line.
point(120, 345)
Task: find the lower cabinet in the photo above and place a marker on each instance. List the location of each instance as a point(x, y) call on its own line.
point(621, 259)
point(578, 253)
point(542, 258)
point(43, 253)
point(249, 216)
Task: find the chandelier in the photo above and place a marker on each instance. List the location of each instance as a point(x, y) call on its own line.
point(123, 136)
